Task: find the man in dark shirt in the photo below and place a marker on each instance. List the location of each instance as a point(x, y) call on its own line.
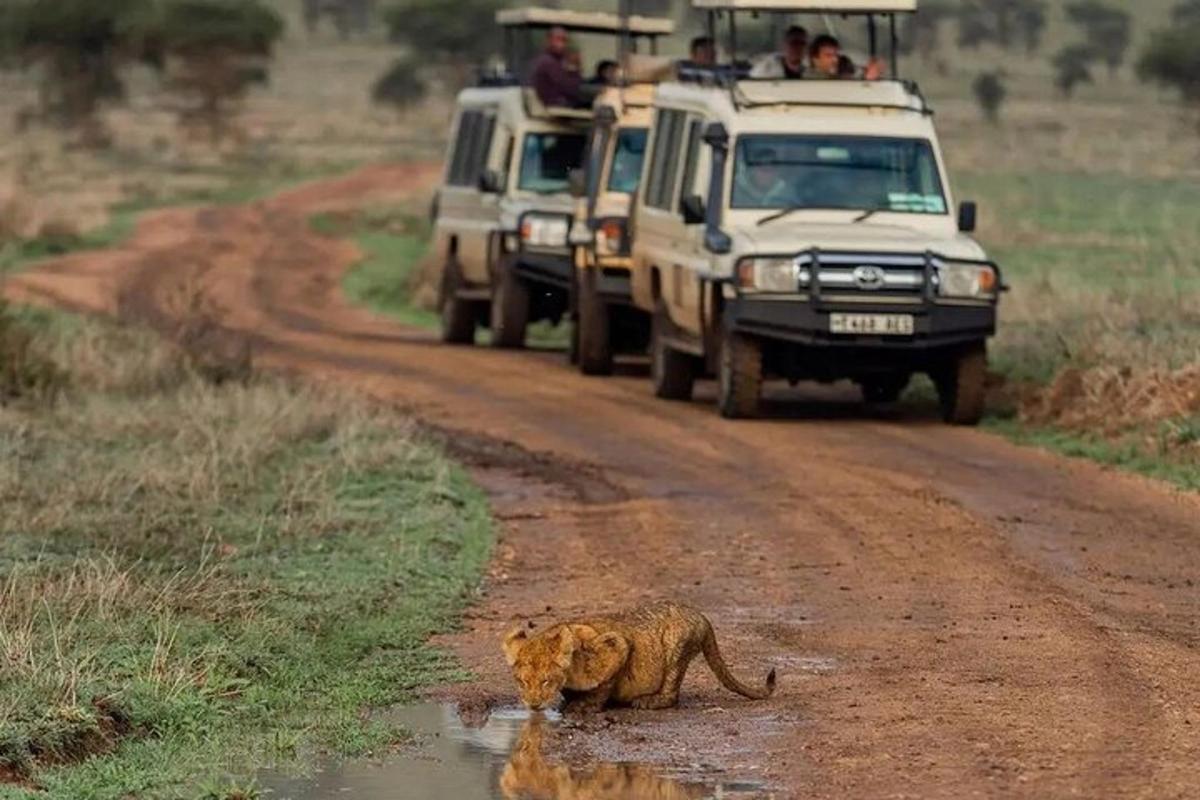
point(552, 79)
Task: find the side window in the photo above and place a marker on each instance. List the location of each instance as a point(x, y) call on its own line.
point(691, 161)
point(483, 146)
point(664, 163)
point(468, 121)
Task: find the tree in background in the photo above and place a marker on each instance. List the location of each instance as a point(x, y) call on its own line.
point(1108, 30)
point(213, 51)
point(1003, 23)
point(990, 92)
point(350, 17)
point(440, 36)
point(1073, 67)
point(922, 32)
point(79, 48)
point(1172, 58)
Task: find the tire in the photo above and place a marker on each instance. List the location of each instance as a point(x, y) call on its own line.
point(962, 387)
point(884, 389)
point(673, 372)
point(458, 316)
point(739, 377)
point(510, 308)
point(592, 326)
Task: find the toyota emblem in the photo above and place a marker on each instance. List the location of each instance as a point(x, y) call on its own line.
point(870, 278)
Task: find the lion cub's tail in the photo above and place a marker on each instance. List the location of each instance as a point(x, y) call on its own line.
point(712, 654)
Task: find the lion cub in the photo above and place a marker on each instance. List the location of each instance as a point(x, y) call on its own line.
point(637, 658)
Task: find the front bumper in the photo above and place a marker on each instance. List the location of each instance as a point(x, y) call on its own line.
point(802, 322)
point(553, 267)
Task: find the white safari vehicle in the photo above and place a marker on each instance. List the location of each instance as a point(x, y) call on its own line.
point(605, 320)
point(504, 210)
point(805, 230)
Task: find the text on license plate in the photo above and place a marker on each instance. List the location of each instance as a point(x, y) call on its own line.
point(872, 324)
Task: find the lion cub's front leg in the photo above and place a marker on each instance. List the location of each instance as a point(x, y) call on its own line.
point(592, 701)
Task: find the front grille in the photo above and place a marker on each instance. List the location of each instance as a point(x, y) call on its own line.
point(865, 277)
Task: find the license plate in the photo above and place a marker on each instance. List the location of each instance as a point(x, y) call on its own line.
point(872, 324)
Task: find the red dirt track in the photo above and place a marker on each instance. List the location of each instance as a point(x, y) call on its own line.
point(950, 615)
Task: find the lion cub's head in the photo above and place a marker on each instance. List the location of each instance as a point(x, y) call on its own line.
point(540, 664)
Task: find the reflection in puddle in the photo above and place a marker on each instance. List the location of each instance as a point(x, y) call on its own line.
point(503, 759)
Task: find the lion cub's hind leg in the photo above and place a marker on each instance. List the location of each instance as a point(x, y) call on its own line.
point(667, 696)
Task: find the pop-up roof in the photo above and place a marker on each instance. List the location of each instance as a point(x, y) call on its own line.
point(584, 21)
point(811, 6)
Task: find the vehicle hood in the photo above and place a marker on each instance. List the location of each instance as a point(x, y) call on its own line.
point(784, 237)
point(511, 209)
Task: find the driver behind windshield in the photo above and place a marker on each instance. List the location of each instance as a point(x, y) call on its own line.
point(759, 183)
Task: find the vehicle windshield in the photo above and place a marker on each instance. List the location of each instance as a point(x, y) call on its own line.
point(547, 160)
point(626, 169)
point(858, 173)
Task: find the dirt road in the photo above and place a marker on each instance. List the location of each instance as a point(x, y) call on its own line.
point(950, 615)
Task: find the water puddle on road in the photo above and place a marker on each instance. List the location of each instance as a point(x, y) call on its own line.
point(502, 759)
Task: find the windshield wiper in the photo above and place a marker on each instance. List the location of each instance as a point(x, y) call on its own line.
point(781, 214)
point(866, 215)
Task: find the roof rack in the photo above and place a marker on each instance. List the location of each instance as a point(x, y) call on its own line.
point(584, 21)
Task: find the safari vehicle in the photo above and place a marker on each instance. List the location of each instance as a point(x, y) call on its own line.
point(804, 230)
point(504, 210)
point(605, 321)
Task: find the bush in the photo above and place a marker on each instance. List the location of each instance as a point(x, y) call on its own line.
point(990, 93)
point(1073, 66)
point(401, 86)
point(79, 46)
point(215, 50)
point(1173, 60)
point(25, 371)
point(442, 32)
point(1108, 30)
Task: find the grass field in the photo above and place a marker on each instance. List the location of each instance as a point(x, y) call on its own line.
point(200, 580)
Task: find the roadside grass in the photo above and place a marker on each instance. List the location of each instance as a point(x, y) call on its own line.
point(395, 276)
point(1100, 337)
point(199, 580)
point(15, 255)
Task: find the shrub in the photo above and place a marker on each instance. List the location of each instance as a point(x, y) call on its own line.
point(1108, 30)
point(215, 50)
point(1072, 67)
point(401, 86)
point(990, 93)
point(1173, 60)
point(79, 47)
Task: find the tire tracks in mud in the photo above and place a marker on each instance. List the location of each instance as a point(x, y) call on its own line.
point(950, 615)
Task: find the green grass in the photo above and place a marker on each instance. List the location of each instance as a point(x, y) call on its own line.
point(1154, 459)
point(16, 255)
point(388, 279)
point(198, 580)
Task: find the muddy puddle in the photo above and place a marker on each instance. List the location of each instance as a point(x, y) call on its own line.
point(504, 758)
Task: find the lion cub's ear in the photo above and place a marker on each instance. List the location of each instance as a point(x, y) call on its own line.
point(514, 640)
point(597, 660)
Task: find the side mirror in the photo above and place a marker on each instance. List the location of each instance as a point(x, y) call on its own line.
point(491, 182)
point(577, 183)
point(693, 209)
point(967, 216)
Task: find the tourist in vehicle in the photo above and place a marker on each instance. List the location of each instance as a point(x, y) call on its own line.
point(703, 52)
point(607, 74)
point(827, 62)
point(789, 63)
point(552, 77)
point(758, 182)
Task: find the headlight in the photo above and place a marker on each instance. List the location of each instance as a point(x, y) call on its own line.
point(537, 231)
point(610, 237)
point(966, 280)
point(768, 274)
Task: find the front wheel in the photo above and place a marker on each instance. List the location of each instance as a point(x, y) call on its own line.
point(739, 378)
point(673, 372)
point(962, 386)
point(510, 307)
point(592, 328)
point(457, 315)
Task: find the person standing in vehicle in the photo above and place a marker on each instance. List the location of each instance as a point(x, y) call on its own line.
point(553, 79)
point(826, 62)
point(789, 63)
